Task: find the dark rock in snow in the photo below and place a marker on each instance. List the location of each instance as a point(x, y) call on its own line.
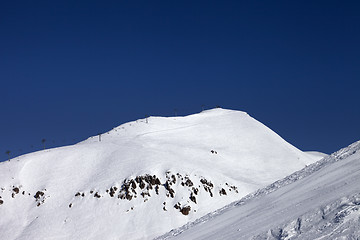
point(222, 192)
point(192, 198)
point(185, 210)
point(16, 190)
point(38, 195)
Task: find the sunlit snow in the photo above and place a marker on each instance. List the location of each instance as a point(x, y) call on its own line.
point(108, 189)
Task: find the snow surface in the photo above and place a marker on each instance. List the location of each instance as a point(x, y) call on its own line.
point(321, 201)
point(82, 191)
point(316, 155)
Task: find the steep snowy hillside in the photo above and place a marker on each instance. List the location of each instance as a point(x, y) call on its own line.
point(142, 178)
point(316, 155)
point(321, 201)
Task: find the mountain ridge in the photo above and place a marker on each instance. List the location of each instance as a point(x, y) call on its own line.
point(172, 169)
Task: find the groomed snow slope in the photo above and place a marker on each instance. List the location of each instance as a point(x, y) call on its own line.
point(144, 178)
point(321, 201)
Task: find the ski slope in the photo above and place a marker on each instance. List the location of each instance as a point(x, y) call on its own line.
point(321, 201)
point(143, 178)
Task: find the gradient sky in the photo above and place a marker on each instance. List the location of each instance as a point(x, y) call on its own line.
point(72, 69)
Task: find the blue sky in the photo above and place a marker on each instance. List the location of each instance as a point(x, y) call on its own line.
point(72, 69)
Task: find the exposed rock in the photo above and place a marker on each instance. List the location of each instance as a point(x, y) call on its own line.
point(185, 210)
point(192, 198)
point(38, 195)
point(173, 179)
point(207, 186)
point(143, 185)
point(143, 194)
point(128, 184)
point(157, 181)
point(188, 183)
point(16, 190)
point(206, 183)
point(112, 191)
point(222, 192)
point(171, 191)
point(80, 194)
point(129, 197)
point(133, 184)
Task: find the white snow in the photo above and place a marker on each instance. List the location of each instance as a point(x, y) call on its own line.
point(322, 201)
point(228, 148)
point(316, 155)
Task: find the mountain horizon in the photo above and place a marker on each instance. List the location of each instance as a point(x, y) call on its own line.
point(172, 169)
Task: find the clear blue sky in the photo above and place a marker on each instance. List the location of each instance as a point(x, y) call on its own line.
point(72, 69)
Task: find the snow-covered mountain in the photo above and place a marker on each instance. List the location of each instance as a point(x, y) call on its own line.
point(321, 201)
point(316, 155)
point(143, 178)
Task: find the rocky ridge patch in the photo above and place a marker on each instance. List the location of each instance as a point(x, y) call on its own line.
point(147, 185)
point(169, 186)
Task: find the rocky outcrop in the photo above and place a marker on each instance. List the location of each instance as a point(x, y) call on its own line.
point(147, 185)
point(142, 187)
point(40, 197)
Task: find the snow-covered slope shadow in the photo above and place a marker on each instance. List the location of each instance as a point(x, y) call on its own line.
point(321, 201)
point(143, 178)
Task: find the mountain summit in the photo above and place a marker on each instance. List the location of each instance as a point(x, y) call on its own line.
point(143, 178)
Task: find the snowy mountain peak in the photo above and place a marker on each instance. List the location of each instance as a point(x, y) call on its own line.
point(172, 169)
point(154, 124)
